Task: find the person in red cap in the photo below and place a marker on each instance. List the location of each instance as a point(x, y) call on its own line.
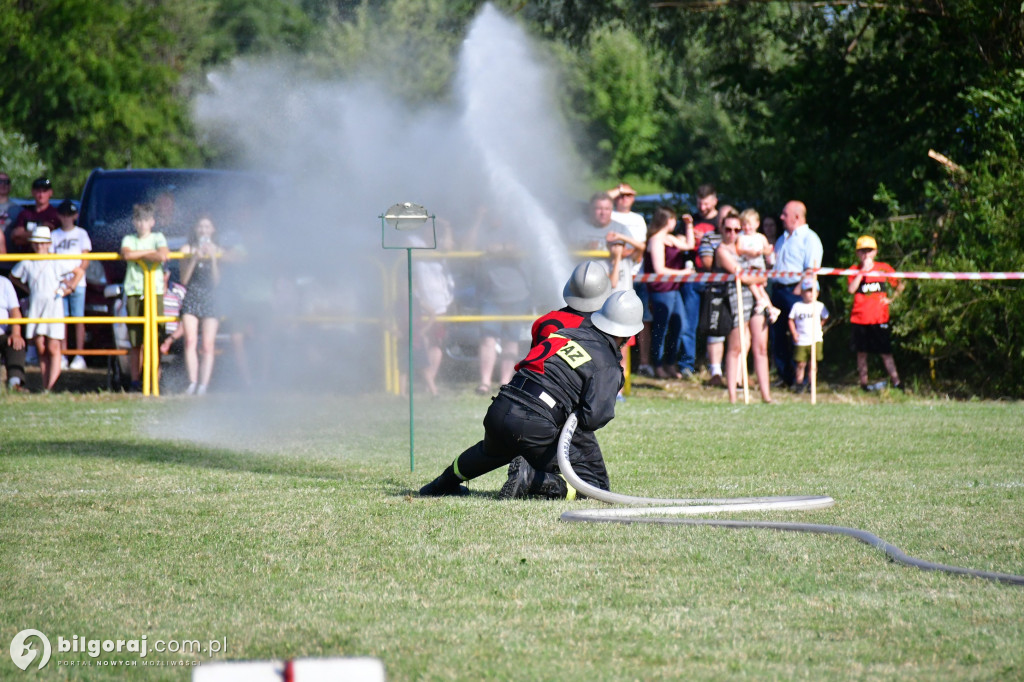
point(870, 313)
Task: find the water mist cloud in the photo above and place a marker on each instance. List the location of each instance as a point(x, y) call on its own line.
point(346, 150)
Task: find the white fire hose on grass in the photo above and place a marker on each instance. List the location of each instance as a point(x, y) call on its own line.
point(645, 509)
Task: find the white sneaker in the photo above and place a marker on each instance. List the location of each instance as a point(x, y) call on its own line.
point(191, 390)
point(63, 362)
point(78, 363)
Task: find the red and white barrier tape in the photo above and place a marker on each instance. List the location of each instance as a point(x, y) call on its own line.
point(724, 277)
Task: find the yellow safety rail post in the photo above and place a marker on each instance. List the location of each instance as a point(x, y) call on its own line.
point(393, 368)
point(627, 387)
point(150, 333)
point(387, 304)
point(147, 366)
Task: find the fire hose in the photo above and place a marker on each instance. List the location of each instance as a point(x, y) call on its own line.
point(644, 509)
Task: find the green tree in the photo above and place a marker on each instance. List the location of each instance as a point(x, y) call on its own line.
point(409, 44)
point(20, 160)
point(244, 27)
point(970, 333)
point(614, 92)
point(109, 82)
point(109, 100)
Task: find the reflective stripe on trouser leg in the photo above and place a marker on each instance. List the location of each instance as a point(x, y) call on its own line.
point(571, 495)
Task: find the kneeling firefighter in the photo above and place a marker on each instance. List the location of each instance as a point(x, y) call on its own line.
point(573, 370)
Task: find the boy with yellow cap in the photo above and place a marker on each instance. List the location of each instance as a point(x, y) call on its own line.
point(870, 313)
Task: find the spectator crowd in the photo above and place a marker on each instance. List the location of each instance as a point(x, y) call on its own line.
point(769, 299)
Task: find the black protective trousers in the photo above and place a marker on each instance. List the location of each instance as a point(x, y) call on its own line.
point(513, 427)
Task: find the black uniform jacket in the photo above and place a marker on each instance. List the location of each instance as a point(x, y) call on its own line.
point(579, 368)
point(563, 318)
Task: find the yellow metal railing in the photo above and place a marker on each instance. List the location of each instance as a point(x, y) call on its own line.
point(149, 319)
point(392, 371)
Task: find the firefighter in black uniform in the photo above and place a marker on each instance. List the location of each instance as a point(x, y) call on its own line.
point(584, 293)
point(574, 370)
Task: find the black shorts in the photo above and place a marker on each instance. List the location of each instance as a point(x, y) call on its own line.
point(871, 338)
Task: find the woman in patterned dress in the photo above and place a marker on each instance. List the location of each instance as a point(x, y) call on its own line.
point(199, 311)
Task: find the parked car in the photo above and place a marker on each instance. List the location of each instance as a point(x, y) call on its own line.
point(681, 203)
point(180, 196)
point(29, 203)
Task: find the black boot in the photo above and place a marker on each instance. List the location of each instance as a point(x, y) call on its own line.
point(520, 479)
point(549, 487)
point(445, 484)
point(524, 481)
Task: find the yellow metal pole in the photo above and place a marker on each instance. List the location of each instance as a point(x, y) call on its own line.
point(389, 379)
point(154, 336)
point(394, 286)
point(396, 371)
point(147, 292)
point(386, 305)
point(627, 389)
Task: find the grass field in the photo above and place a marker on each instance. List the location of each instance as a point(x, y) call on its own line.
point(287, 527)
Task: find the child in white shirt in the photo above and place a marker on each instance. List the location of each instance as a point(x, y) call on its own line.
point(806, 318)
point(47, 287)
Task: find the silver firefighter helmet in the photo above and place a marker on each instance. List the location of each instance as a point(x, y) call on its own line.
point(588, 287)
point(621, 315)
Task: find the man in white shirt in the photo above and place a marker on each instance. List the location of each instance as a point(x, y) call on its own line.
point(600, 231)
point(71, 239)
point(634, 235)
point(635, 232)
point(591, 232)
point(798, 250)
